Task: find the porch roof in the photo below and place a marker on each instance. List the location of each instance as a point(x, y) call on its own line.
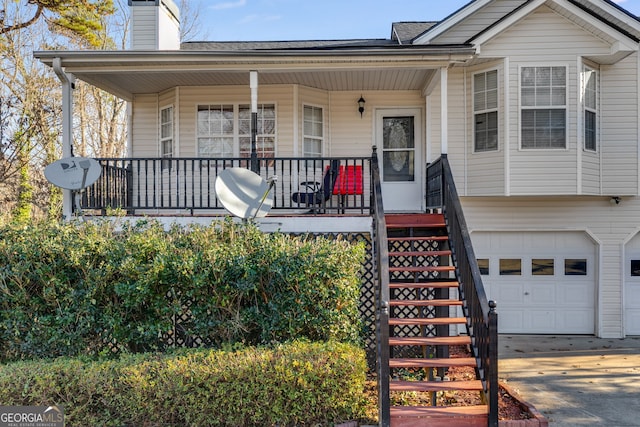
point(337, 66)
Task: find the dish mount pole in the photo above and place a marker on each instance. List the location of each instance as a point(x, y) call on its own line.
point(253, 84)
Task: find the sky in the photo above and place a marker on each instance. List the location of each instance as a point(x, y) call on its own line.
point(257, 20)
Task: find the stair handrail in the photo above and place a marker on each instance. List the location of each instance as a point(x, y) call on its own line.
point(382, 295)
point(482, 318)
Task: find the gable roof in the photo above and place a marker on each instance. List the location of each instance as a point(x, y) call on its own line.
point(480, 16)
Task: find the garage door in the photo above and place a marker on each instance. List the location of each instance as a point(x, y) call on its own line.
point(632, 287)
point(543, 282)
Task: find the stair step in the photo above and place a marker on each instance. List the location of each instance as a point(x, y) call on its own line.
point(425, 302)
point(414, 220)
point(424, 285)
point(458, 340)
point(395, 321)
point(439, 416)
point(431, 363)
point(420, 253)
point(423, 268)
point(472, 385)
point(418, 239)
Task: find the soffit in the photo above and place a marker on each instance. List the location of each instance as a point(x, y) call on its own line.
point(127, 73)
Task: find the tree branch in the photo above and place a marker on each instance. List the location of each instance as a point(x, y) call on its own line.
point(25, 24)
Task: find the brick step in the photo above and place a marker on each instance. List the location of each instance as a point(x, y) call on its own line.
point(419, 253)
point(459, 340)
point(414, 220)
point(432, 363)
point(419, 321)
point(425, 302)
point(426, 386)
point(439, 284)
point(439, 416)
point(423, 269)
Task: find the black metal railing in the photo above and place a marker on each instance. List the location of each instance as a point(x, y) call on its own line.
point(187, 185)
point(482, 319)
point(382, 296)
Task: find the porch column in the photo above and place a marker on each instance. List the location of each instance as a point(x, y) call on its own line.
point(444, 111)
point(253, 84)
point(68, 85)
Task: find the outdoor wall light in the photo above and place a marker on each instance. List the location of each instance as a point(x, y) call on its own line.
point(361, 102)
point(615, 200)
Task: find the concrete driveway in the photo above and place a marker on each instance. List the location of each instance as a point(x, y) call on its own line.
point(575, 380)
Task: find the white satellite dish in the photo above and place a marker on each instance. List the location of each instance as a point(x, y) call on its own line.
point(73, 173)
point(244, 193)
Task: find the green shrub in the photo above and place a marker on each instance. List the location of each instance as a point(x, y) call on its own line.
point(87, 289)
point(298, 383)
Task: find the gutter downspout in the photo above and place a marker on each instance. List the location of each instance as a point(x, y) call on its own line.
point(68, 85)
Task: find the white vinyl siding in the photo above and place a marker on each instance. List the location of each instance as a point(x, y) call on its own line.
point(144, 129)
point(313, 131)
point(543, 102)
point(485, 106)
point(478, 22)
point(619, 127)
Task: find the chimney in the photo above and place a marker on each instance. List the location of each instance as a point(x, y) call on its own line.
point(155, 25)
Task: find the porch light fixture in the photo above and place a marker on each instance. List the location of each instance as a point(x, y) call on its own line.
point(615, 200)
point(361, 102)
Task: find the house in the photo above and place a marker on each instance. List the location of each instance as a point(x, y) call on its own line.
point(535, 104)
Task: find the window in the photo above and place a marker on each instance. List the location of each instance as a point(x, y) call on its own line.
point(543, 97)
point(575, 267)
point(312, 145)
point(166, 135)
point(542, 267)
point(215, 130)
point(590, 103)
point(266, 131)
point(483, 266)
point(225, 130)
point(635, 267)
point(485, 109)
point(510, 267)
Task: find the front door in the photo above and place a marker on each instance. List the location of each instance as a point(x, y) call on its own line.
point(398, 138)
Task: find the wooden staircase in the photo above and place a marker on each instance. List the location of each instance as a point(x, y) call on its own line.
point(423, 308)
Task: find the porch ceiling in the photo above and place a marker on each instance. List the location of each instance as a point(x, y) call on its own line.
point(128, 73)
point(126, 85)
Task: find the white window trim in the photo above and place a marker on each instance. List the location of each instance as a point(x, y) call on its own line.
point(324, 129)
point(566, 107)
point(474, 112)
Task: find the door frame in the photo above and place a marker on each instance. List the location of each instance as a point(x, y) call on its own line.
point(418, 187)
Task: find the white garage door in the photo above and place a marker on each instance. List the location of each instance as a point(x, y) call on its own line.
point(543, 282)
point(632, 287)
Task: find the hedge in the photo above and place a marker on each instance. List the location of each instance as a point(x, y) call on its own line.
point(91, 288)
point(293, 384)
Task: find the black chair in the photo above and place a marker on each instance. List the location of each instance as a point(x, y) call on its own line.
point(318, 192)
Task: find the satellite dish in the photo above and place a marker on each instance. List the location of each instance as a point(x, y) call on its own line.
point(244, 193)
point(73, 173)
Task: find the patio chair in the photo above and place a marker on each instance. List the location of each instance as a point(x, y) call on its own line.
point(318, 192)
